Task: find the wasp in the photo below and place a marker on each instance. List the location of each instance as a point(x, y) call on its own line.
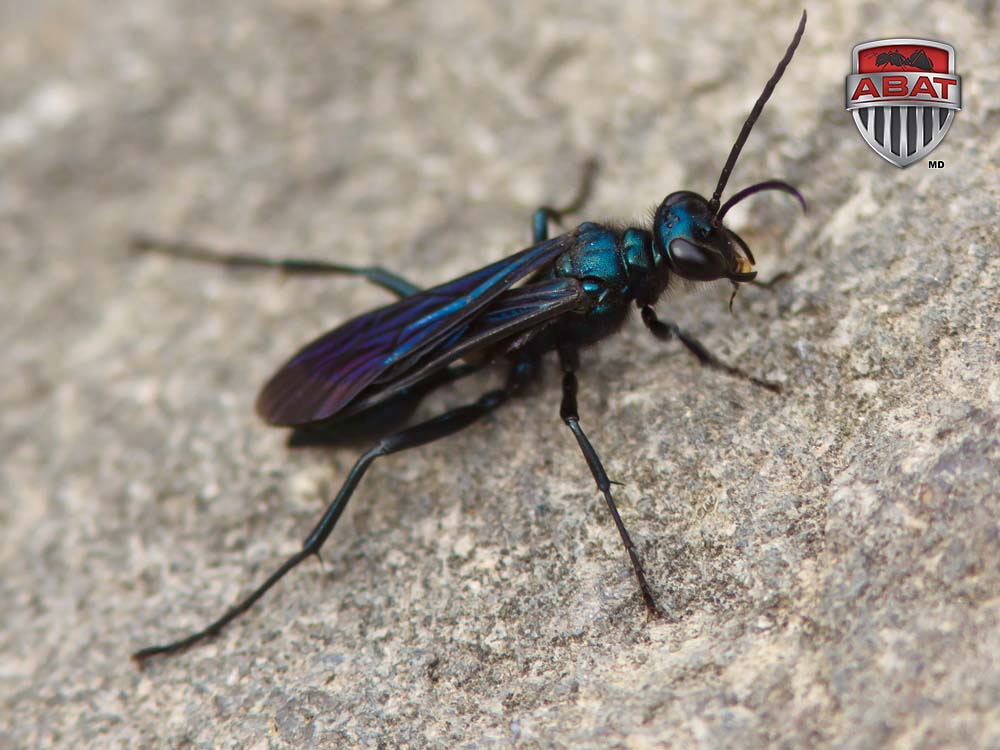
point(561, 294)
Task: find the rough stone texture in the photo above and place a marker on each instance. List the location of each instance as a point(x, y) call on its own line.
point(828, 558)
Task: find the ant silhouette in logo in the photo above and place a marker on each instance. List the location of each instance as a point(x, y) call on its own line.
point(917, 59)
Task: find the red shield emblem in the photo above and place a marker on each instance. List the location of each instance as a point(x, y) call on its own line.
point(903, 94)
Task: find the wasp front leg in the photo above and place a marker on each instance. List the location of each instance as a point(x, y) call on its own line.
point(666, 331)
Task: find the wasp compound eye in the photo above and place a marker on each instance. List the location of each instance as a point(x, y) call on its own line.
point(696, 262)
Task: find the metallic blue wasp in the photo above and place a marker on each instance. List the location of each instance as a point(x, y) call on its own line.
point(367, 376)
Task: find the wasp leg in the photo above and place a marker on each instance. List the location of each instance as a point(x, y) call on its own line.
point(237, 259)
point(774, 280)
point(569, 414)
point(665, 331)
point(540, 219)
point(433, 429)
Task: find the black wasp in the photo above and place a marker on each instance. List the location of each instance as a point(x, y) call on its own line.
point(367, 376)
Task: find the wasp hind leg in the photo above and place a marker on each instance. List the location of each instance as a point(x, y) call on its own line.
point(203, 253)
point(445, 424)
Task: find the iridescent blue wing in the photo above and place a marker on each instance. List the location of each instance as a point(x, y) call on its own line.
point(495, 329)
point(326, 374)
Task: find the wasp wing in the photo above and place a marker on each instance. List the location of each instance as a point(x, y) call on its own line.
point(326, 374)
point(511, 313)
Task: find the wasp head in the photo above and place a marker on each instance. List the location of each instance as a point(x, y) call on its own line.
point(690, 235)
point(688, 231)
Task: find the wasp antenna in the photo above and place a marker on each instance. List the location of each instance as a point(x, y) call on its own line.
point(760, 187)
point(758, 107)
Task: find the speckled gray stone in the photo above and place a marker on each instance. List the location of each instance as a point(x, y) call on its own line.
point(829, 558)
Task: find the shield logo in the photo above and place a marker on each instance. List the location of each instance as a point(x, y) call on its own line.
point(903, 94)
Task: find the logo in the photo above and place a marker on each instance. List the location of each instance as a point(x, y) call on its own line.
point(903, 94)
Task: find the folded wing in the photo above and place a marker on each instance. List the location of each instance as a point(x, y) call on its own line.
point(510, 314)
point(328, 373)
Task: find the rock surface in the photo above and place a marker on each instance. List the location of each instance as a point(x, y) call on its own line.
point(828, 558)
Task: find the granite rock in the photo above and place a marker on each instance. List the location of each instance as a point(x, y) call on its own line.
point(827, 558)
